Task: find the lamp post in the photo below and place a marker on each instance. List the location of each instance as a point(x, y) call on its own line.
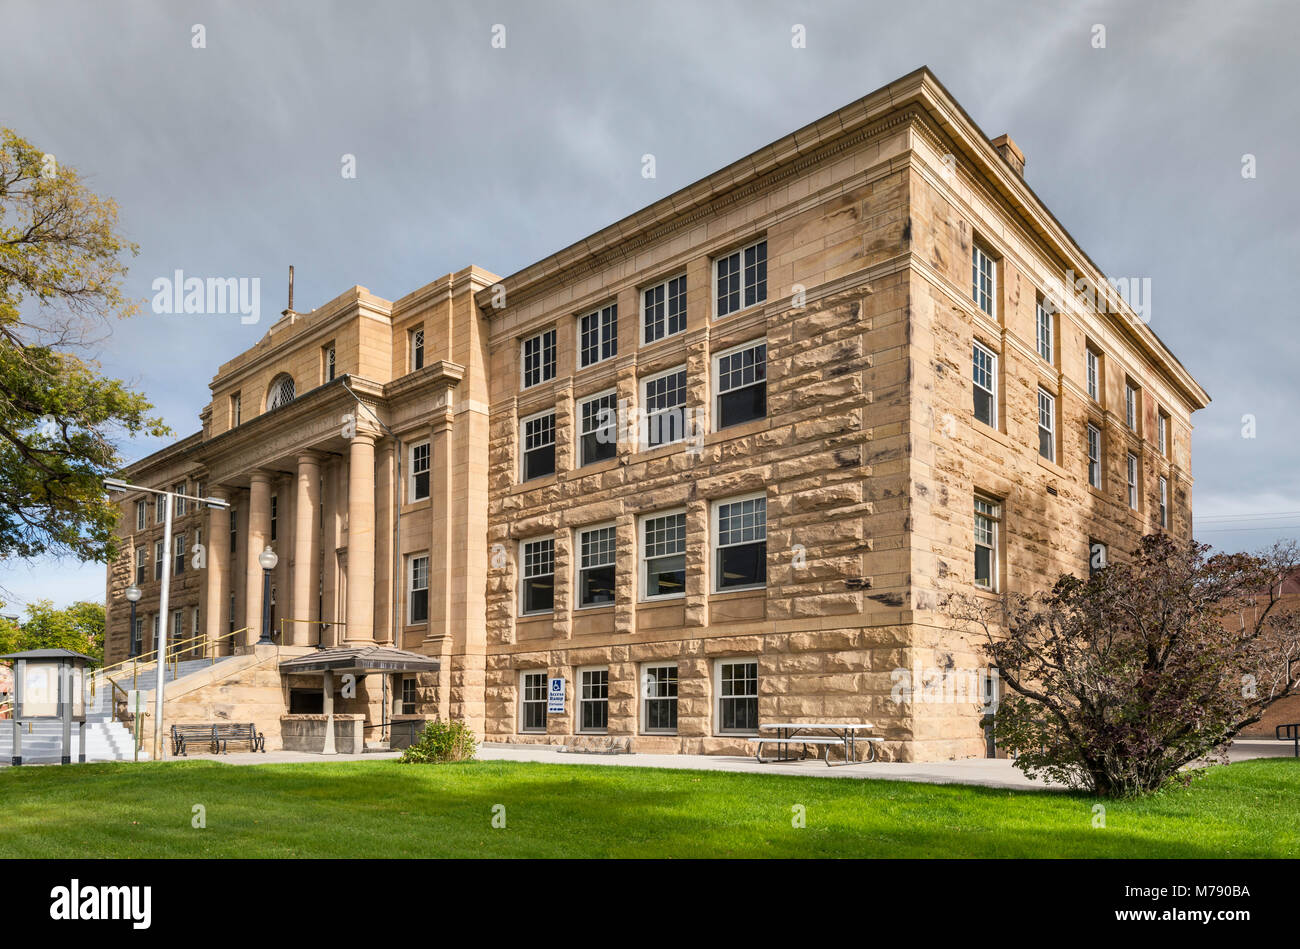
point(267, 559)
point(118, 486)
point(133, 595)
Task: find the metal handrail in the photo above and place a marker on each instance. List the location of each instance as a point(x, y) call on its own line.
point(324, 625)
point(142, 663)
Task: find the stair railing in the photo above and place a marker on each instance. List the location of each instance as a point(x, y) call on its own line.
point(145, 661)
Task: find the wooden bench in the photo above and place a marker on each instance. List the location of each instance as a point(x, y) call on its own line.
point(184, 735)
point(224, 734)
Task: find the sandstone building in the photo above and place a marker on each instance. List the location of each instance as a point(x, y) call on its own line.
point(711, 466)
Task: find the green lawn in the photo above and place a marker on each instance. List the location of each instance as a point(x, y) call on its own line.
point(386, 809)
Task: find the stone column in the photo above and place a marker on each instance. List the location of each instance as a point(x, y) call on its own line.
point(361, 540)
point(218, 582)
point(444, 552)
point(328, 709)
point(306, 551)
point(387, 497)
point(259, 529)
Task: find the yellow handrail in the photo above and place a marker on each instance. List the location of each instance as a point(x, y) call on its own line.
point(174, 651)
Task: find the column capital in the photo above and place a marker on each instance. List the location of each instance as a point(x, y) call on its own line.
point(311, 456)
point(262, 475)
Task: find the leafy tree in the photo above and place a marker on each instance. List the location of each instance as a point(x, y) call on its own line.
point(60, 286)
point(1121, 680)
point(79, 627)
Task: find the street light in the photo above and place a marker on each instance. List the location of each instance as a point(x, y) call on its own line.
point(133, 594)
point(268, 560)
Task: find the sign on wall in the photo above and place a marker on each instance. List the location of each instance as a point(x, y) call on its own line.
point(555, 698)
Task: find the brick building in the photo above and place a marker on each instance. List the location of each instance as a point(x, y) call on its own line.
point(710, 466)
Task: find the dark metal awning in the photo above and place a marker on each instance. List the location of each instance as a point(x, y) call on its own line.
point(362, 659)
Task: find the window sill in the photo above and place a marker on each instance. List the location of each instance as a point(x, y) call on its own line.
point(737, 592)
point(661, 600)
point(1052, 466)
point(990, 432)
point(595, 467)
point(416, 505)
point(739, 430)
point(542, 481)
point(537, 615)
point(595, 608)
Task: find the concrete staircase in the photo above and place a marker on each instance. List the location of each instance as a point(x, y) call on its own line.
point(106, 740)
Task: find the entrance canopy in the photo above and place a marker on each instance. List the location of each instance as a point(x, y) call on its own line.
point(362, 660)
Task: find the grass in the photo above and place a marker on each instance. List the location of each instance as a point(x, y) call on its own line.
point(386, 809)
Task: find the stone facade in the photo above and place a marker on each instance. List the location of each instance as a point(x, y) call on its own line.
point(864, 457)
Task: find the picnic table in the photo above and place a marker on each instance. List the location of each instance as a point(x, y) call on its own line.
point(844, 734)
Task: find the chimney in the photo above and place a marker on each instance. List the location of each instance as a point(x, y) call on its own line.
point(1011, 152)
point(289, 309)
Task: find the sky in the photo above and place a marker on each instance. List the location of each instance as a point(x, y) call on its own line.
point(224, 131)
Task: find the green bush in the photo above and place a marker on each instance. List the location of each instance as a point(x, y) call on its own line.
point(442, 741)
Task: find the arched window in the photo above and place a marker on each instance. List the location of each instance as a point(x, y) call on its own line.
point(280, 393)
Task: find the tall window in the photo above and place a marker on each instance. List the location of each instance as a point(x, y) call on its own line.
point(539, 358)
point(328, 360)
point(532, 702)
point(737, 690)
point(137, 637)
point(159, 508)
point(1047, 425)
point(417, 348)
point(598, 335)
point(1133, 481)
point(178, 625)
point(740, 543)
point(141, 515)
point(659, 697)
point(664, 398)
point(1164, 502)
point(593, 700)
point(230, 618)
point(280, 393)
point(538, 437)
point(1162, 433)
point(418, 590)
point(419, 471)
point(236, 410)
point(598, 428)
point(234, 531)
point(988, 515)
point(663, 309)
point(538, 575)
point(984, 366)
point(663, 555)
point(983, 279)
point(275, 515)
point(741, 384)
point(408, 695)
point(1130, 406)
point(1045, 332)
point(158, 554)
point(596, 566)
point(1094, 456)
point(1094, 379)
point(178, 544)
point(741, 278)
point(179, 489)
point(141, 561)
point(194, 625)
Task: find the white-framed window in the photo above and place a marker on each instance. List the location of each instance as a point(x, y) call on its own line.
point(983, 279)
point(663, 555)
point(236, 410)
point(663, 397)
point(180, 504)
point(137, 637)
point(538, 358)
point(1162, 433)
point(740, 543)
point(156, 628)
point(1094, 456)
point(1164, 502)
point(740, 278)
point(659, 698)
point(141, 515)
point(1045, 334)
point(537, 435)
point(141, 561)
point(1047, 425)
point(736, 688)
point(598, 335)
point(1093, 374)
point(537, 592)
point(1133, 481)
point(1130, 406)
point(663, 310)
point(532, 701)
point(593, 699)
point(178, 625)
point(178, 546)
point(194, 628)
point(409, 695)
point(158, 555)
point(988, 518)
point(740, 384)
point(417, 348)
point(417, 589)
point(159, 508)
point(596, 566)
point(984, 376)
point(419, 482)
point(281, 392)
point(598, 427)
